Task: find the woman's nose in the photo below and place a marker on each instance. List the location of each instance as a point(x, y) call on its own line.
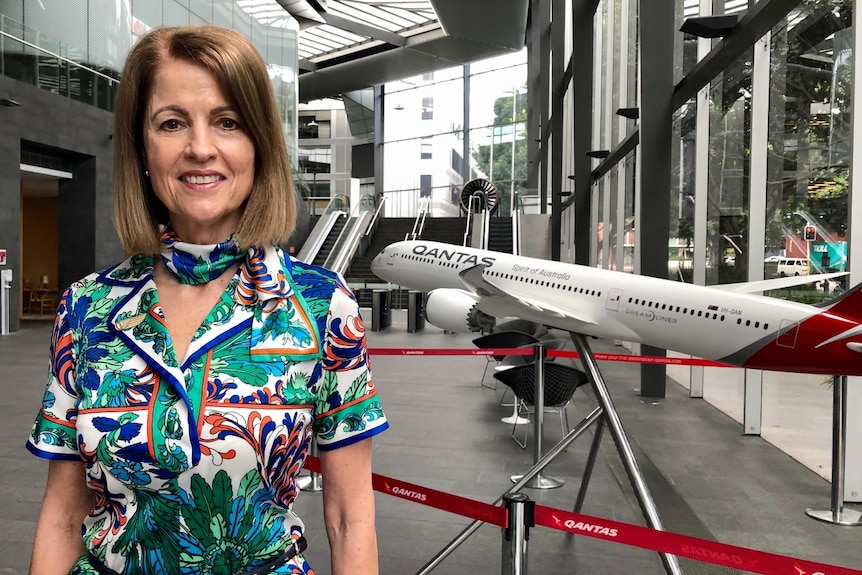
point(201, 145)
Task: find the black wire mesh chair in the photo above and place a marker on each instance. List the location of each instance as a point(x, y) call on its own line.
point(561, 382)
point(499, 340)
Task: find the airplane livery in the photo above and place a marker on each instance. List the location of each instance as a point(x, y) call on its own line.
point(726, 323)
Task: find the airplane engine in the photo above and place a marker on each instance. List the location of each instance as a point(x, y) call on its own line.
point(455, 310)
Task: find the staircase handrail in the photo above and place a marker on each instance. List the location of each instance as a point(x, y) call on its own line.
point(364, 240)
point(419, 222)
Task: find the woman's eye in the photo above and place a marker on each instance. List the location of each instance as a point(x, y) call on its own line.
point(228, 123)
point(171, 124)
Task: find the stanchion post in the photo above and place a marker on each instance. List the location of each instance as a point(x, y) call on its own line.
point(539, 481)
point(837, 514)
point(313, 481)
point(5, 288)
point(517, 533)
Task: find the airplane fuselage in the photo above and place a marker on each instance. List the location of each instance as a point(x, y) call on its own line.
point(737, 328)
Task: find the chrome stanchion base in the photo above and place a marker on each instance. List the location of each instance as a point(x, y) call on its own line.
point(847, 517)
point(310, 482)
point(540, 482)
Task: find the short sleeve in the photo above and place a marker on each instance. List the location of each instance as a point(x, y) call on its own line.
point(347, 409)
point(54, 435)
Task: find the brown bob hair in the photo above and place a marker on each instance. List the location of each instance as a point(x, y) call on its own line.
point(269, 215)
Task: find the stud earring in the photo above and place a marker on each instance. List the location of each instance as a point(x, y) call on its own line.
point(147, 173)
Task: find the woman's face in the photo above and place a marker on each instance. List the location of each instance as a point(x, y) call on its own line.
point(200, 159)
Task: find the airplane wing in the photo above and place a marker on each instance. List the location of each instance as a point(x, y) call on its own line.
point(480, 285)
point(776, 283)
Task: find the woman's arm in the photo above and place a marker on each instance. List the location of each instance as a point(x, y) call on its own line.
point(67, 501)
point(348, 508)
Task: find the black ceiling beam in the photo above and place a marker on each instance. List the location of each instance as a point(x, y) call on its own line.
point(364, 30)
point(759, 20)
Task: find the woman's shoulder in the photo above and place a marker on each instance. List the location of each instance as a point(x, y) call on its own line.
point(129, 272)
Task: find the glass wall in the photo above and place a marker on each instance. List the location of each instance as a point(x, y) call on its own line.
point(76, 49)
point(426, 135)
point(723, 207)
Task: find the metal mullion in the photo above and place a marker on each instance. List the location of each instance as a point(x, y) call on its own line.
point(599, 31)
point(853, 399)
point(752, 412)
point(608, 114)
point(620, 216)
point(371, 15)
point(701, 189)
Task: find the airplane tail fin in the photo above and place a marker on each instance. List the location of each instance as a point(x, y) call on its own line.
point(847, 304)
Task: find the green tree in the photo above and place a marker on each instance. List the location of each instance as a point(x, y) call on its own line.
point(510, 113)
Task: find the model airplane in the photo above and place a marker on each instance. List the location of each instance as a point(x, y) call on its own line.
point(726, 323)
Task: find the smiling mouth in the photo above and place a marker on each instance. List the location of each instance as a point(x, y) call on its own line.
point(201, 179)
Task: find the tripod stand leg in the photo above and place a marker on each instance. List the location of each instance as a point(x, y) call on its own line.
point(588, 468)
point(623, 446)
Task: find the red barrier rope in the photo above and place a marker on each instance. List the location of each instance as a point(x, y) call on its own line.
point(623, 357)
point(684, 546)
point(431, 497)
point(704, 550)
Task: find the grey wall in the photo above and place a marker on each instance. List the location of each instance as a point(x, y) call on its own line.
point(80, 134)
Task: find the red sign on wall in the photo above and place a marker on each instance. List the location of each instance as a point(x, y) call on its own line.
point(2, 257)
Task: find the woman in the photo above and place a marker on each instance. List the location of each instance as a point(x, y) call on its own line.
point(186, 382)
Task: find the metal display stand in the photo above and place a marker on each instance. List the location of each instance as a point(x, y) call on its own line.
point(604, 414)
point(612, 419)
point(837, 514)
point(5, 289)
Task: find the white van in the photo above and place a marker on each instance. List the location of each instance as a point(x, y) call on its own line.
point(792, 267)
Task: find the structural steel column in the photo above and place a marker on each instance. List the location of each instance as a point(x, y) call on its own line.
point(853, 399)
point(583, 12)
point(656, 36)
point(379, 100)
point(534, 74)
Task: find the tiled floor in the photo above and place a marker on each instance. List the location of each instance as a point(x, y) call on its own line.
point(707, 478)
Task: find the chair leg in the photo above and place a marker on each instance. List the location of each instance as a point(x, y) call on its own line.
point(484, 372)
point(521, 444)
point(503, 397)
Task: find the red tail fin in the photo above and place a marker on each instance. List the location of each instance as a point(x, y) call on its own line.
point(848, 304)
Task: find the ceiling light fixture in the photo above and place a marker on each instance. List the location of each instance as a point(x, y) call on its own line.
point(8, 102)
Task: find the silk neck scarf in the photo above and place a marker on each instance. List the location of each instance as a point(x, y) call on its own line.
point(194, 264)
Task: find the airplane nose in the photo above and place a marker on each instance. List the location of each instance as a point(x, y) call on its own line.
point(377, 262)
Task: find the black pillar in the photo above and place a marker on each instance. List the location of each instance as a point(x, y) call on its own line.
point(656, 38)
point(583, 12)
point(558, 90)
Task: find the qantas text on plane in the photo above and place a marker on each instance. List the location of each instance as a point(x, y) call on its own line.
point(722, 323)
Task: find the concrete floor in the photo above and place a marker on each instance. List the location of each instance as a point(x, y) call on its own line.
point(707, 478)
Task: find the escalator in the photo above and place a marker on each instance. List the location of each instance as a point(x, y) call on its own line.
point(331, 239)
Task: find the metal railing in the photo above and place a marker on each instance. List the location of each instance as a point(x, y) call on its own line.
point(419, 222)
point(36, 65)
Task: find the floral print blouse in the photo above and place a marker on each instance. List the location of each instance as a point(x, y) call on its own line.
point(194, 462)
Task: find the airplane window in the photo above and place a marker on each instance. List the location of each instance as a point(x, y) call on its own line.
point(677, 309)
point(664, 306)
point(715, 316)
point(757, 324)
point(685, 310)
point(722, 318)
point(699, 313)
point(747, 322)
point(692, 312)
point(738, 320)
point(766, 326)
